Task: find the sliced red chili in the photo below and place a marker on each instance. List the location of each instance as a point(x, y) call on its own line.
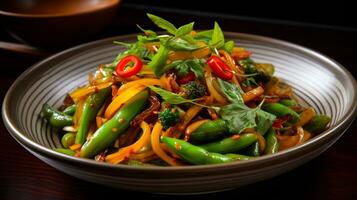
point(220, 68)
point(278, 122)
point(187, 78)
point(124, 70)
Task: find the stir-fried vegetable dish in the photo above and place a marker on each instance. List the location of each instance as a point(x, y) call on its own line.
point(182, 98)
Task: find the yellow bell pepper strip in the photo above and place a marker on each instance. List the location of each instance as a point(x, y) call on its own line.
point(184, 55)
point(120, 100)
point(125, 152)
point(83, 92)
point(156, 146)
point(140, 82)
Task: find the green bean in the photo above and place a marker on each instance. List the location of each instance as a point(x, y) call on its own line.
point(159, 61)
point(197, 155)
point(208, 131)
point(90, 109)
point(253, 150)
point(68, 139)
point(65, 151)
point(231, 145)
point(238, 156)
point(70, 110)
point(109, 132)
point(281, 110)
point(272, 143)
point(55, 117)
point(288, 102)
point(317, 124)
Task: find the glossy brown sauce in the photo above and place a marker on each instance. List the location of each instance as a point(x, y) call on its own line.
point(46, 7)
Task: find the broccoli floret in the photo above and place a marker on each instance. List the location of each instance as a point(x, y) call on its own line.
point(260, 72)
point(194, 90)
point(169, 117)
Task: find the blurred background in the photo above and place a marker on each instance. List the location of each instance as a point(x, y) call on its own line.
point(58, 24)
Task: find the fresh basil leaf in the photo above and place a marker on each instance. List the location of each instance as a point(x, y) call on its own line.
point(169, 97)
point(238, 117)
point(180, 66)
point(185, 29)
point(178, 44)
point(231, 91)
point(228, 46)
point(183, 67)
point(196, 68)
point(264, 121)
point(148, 33)
point(249, 82)
point(217, 36)
point(205, 33)
point(146, 39)
point(123, 43)
point(134, 48)
point(162, 23)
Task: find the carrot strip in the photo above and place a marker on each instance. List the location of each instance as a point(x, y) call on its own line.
point(75, 147)
point(252, 94)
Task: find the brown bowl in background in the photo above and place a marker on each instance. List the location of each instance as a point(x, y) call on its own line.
point(56, 23)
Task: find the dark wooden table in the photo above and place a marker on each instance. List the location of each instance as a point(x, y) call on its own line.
point(332, 175)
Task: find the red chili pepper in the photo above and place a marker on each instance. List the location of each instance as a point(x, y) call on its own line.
point(187, 78)
point(278, 123)
point(221, 69)
point(124, 71)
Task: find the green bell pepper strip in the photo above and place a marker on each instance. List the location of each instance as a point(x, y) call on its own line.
point(68, 139)
point(56, 118)
point(65, 151)
point(197, 155)
point(317, 124)
point(253, 150)
point(158, 62)
point(109, 132)
point(70, 110)
point(281, 110)
point(90, 109)
point(272, 143)
point(288, 102)
point(209, 131)
point(231, 145)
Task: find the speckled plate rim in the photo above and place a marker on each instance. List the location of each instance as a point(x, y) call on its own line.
point(345, 121)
